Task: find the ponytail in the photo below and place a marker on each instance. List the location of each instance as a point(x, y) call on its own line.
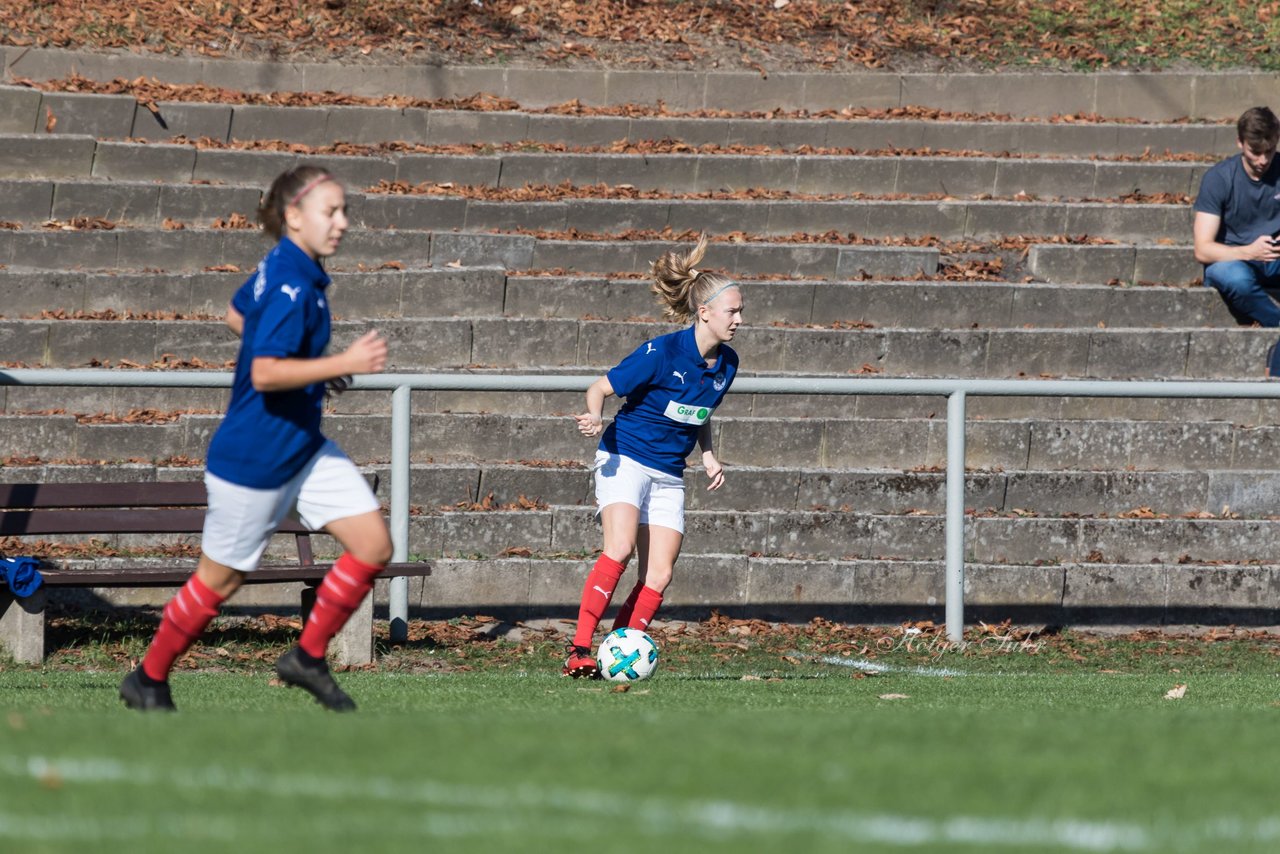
point(680, 287)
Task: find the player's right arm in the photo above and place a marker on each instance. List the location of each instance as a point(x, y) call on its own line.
point(591, 422)
point(235, 320)
point(1204, 231)
point(367, 355)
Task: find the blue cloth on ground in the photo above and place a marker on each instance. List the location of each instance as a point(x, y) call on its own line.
point(21, 574)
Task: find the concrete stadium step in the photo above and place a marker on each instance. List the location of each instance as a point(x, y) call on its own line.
point(43, 156)
point(431, 344)
point(941, 305)
point(150, 204)
point(442, 486)
point(830, 442)
point(25, 110)
point(1166, 263)
point(440, 292)
point(187, 249)
point(875, 590)
point(1247, 493)
point(1150, 96)
point(827, 535)
point(126, 404)
point(831, 535)
point(486, 292)
point(778, 588)
point(843, 536)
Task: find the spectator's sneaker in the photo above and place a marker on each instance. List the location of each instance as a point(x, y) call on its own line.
point(581, 664)
point(145, 697)
point(315, 679)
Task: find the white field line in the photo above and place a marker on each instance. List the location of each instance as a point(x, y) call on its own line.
point(478, 810)
point(61, 827)
point(868, 666)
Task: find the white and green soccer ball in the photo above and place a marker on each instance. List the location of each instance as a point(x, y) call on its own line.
point(627, 655)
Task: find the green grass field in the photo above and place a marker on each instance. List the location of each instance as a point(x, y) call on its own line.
point(1075, 748)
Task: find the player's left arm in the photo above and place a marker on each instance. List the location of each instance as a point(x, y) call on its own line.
point(715, 471)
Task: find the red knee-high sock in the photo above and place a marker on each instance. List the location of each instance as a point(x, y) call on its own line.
point(623, 618)
point(647, 604)
point(343, 589)
point(596, 593)
point(185, 619)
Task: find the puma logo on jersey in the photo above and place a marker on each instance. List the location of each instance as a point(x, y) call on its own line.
point(292, 292)
point(679, 376)
point(648, 344)
point(320, 302)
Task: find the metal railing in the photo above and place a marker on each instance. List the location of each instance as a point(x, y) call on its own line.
point(955, 390)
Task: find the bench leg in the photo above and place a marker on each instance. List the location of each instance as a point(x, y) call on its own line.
point(22, 626)
point(354, 644)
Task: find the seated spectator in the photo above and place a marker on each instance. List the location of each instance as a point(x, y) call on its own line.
point(1237, 216)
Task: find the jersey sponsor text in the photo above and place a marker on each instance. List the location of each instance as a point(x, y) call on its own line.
point(688, 414)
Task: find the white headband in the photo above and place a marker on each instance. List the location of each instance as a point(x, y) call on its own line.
point(711, 298)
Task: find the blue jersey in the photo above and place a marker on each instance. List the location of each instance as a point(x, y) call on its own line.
point(1249, 209)
point(266, 438)
point(670, 393)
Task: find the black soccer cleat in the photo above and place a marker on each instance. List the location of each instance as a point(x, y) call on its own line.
point(154, 697)
point(581, 664)
point(315, 679)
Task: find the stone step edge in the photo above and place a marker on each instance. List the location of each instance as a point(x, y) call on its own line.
point(583, 279)
point(121, 117)
point(219, 110)
point(982, 200)
point(583, 468)
point(967, 326)
point(1151, 95)
point(975, 422)
point(87, 140)
point(88, 561)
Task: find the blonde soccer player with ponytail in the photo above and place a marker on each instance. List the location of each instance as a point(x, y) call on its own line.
point(671, 384)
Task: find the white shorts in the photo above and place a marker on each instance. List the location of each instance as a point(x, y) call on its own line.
point(240, 520)
point(622, 480)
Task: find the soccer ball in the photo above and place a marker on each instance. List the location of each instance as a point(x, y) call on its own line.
point(627, 655)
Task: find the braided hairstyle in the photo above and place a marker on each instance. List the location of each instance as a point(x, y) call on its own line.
point(681, 288)
point(287, 189)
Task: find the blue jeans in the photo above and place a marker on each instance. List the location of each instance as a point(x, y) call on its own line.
point(1243, 286)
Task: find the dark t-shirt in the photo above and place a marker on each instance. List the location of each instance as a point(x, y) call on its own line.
point(1249, 209)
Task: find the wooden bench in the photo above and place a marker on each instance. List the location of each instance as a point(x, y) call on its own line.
point(50, 509)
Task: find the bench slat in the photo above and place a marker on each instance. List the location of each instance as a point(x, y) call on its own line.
point(139, 520)
point(76, 495)
point(102, 521)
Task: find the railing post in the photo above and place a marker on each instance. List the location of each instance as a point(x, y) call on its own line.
point(955, 516)
point(398, 594)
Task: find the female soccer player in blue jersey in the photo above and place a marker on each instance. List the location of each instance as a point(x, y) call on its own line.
point(672, 384)
point(269, 457)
